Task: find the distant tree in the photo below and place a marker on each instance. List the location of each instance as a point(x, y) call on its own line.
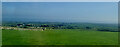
point(88, 27)
point(103, 30)
point(28, 25)
point(20, 24)
point(44, 26)
point(70, 27)
point(25, 27)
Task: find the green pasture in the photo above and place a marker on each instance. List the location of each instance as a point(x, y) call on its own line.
point(59, 37)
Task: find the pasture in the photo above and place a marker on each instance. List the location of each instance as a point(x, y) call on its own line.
point(59, 37)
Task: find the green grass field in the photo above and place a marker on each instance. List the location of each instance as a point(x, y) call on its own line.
point(59, 37)
point(0, 37)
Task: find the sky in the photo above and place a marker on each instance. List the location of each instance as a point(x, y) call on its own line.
point(91, 12)
point(60, 0)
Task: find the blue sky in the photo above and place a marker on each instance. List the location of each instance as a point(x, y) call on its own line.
point(93, 12)
point(60, 0)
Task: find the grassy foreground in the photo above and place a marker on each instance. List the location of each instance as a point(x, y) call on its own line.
point(59, 37)
point(0, 37)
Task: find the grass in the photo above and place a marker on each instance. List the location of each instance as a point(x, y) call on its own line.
point(0, 37)
point(59, 37)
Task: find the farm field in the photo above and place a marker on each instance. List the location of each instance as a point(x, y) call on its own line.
point(0, 37)
point(59, 37)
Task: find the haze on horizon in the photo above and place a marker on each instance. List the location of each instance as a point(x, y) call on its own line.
point(91, 12)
